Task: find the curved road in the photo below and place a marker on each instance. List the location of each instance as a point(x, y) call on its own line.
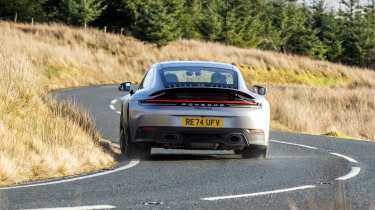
point(304, 172)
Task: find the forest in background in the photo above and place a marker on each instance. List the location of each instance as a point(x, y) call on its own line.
point(344, 36)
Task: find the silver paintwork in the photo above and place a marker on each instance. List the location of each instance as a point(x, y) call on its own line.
point(141, 115)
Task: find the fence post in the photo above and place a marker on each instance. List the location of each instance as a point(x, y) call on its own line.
point(122, 31)
point(32, 21)
point(15, 17)
point(105, 29)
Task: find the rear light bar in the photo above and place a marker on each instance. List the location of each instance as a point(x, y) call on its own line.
point(199, 102)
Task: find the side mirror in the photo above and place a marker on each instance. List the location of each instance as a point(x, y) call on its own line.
point(260, 90)
point(126, 87)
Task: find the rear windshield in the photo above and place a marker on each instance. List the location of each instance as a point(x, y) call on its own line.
point(199, 77)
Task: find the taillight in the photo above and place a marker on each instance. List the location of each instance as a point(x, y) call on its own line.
point(195, 102)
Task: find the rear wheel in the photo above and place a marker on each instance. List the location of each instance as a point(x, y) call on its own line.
point(253, 152)
point(133, 150)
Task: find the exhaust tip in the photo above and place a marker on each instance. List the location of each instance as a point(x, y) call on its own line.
point(171, 138)
point(235, 139)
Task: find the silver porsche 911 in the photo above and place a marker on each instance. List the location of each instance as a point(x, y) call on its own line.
point(194, 105)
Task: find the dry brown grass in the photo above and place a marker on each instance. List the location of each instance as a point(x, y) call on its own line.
point(39, 138)
point(318, 111)
point(79, 56)
point(42, 139)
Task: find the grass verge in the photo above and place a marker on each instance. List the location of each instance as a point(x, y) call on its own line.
point(337, 112)
point(40, 138)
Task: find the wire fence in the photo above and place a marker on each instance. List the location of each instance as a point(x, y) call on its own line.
point(107, 29)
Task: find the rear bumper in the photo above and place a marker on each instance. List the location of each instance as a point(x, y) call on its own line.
point(167, 120)
point(199, 138)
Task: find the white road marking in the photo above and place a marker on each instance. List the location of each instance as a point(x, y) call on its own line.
point(78, 208)
point(114, 101)
point(354, 172)
point(259, 193)
point(111, 143)
point(112, 107)
point(345, 157)
point(294, 144)
point(122, 168)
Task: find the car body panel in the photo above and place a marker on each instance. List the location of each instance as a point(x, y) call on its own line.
point(136, 115)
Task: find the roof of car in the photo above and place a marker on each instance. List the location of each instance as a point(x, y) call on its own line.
point(211, 64)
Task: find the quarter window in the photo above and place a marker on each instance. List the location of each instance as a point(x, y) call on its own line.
point(147, 80)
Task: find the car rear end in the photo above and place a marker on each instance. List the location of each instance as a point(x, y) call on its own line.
point(200, 118)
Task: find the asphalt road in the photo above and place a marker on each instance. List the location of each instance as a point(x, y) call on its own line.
point(304, 172)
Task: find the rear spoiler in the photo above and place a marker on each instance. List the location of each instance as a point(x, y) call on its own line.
point(215, 90)
point(169, 97)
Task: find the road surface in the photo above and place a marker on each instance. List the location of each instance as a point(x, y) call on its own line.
point(303, 172)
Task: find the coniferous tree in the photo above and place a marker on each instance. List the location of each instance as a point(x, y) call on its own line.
point(191, 18)
point(155, 20)
point(23, 9)
point(272, 34)
point(350, 27)
point(88, 10)
point(368, 36)
point(114, 17)
point(76, 12)
point(242, 25)
point(325, 23)
point(211, 24)
point(297, 34)
point(232, 25)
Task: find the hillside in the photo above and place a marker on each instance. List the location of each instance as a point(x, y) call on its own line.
point(306, 95)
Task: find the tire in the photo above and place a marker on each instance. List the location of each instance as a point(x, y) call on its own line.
point(254, 152)
point(133, 150)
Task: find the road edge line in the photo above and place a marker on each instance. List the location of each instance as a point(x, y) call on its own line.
point(259, 193)
point(352, 160)
point(353, 173)
point(78, 207)
point(294, 144)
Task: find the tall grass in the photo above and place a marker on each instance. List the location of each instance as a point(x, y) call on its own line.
point(39, 138)
point(87, 56)
point(335, 111)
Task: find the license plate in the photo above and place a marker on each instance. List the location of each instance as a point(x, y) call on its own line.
point(205, 122)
